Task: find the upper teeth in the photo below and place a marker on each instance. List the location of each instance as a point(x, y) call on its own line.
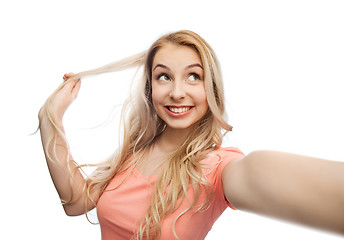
point(179, 110)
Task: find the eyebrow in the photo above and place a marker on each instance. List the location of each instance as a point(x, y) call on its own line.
point(160, 65)
point(195, 65)
point(190, 66)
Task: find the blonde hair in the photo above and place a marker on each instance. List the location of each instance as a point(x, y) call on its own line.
point(141, 126)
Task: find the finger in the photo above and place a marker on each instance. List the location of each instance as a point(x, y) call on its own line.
point(67, 76)
point(72, 85)
point(73, 79)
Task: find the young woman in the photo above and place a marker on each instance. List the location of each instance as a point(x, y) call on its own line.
point(170, 178)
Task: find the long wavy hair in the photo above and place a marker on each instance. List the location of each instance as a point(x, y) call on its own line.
point(141, 127)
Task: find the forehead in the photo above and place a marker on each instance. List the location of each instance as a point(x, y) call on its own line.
point(172, 55)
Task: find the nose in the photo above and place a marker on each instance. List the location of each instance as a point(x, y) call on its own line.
point(178, 91)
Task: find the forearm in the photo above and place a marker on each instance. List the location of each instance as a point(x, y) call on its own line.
point(60, 164)
point(297, 188)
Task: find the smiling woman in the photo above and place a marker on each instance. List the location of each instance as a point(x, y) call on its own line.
point(170, 178)
point(178, 92)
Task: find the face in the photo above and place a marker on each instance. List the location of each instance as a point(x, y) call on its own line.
point(178, 91)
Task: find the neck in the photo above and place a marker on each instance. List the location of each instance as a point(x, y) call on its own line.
point(172, 138)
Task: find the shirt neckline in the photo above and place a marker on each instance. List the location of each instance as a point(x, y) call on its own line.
point(140, 175)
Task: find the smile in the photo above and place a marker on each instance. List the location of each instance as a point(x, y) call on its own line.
point(176, 111)
point(179, 109)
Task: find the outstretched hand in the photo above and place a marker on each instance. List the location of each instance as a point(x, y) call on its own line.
point(62, 98)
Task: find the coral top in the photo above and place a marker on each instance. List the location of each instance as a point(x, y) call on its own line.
point(120, 211)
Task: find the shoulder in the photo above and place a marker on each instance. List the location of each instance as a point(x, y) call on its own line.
point(222, 156)
point(215, 161)
point(213, 165)
point(229, 153)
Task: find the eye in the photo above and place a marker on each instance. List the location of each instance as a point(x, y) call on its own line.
point(163, 77)
point(193, 77)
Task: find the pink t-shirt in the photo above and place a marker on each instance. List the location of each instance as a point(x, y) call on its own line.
point(120, 211)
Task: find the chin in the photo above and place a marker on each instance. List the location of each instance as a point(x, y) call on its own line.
point(181, 126)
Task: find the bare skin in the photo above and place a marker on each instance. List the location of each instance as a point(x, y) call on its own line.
point(296, 188)
point(57, 165)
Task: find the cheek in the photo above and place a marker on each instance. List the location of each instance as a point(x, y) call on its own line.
point(156, 96)
point(203, 103)
point(201, 97)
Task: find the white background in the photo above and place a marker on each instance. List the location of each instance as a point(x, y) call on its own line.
point(283, 70)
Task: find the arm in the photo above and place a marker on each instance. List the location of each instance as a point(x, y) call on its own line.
point(69, 191)
point(292, 187)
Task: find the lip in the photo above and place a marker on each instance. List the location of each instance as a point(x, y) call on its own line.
point(175, 114)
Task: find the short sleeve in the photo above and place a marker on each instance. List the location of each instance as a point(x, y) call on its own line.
point(220, 159)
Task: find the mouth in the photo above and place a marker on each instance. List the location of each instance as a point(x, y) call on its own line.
point(178, 110)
